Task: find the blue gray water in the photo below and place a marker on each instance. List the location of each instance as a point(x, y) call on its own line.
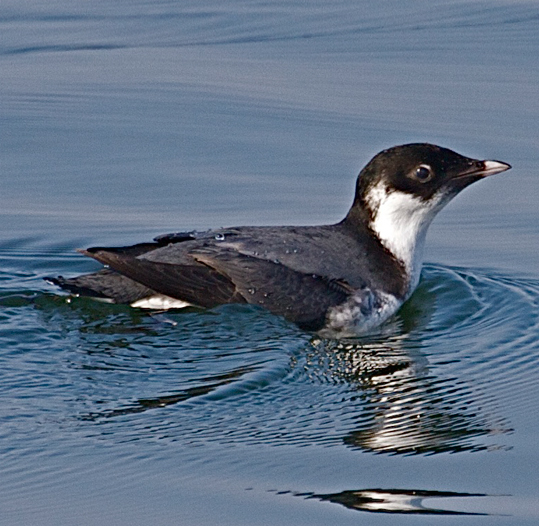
point(123, 120)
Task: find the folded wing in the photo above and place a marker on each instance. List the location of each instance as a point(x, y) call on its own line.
point(218, 276)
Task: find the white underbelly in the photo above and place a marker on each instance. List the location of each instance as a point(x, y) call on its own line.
point(362, 313)
point(161, 302)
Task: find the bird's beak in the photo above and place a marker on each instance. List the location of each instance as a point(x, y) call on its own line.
point(479, 169)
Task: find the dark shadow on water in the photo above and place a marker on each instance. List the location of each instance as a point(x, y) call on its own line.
point(141, 405)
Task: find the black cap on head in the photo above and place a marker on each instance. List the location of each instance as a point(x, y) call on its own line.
point(423, 170)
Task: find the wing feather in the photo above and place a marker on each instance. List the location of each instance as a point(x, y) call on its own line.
point(219, 276)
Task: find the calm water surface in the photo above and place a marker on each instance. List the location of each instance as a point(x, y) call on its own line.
point(120, 121)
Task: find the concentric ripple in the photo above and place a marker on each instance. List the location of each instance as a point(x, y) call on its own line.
point(455, 371)
point(464, 360)
point(448, 374)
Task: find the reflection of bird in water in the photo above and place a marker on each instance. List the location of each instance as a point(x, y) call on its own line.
point(396, 501)
point(407, 407)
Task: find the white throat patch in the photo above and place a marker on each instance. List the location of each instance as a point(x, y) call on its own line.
point(401, 221)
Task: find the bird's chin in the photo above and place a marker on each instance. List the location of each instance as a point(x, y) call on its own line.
point(457, 184)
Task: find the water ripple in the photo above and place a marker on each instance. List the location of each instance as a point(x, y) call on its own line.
point(139, 25)
point(448, 374)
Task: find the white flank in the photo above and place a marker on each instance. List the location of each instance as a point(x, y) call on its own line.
point(161, 302)
point(401, 221)
point(362, 313)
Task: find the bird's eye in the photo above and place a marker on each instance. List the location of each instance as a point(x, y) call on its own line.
point(423, 173)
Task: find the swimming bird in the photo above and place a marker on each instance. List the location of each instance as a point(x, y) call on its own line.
point(339, 280)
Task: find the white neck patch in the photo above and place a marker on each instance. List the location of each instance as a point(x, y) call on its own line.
point(401, 221)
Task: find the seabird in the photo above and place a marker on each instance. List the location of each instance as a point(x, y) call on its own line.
point(340, 280)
